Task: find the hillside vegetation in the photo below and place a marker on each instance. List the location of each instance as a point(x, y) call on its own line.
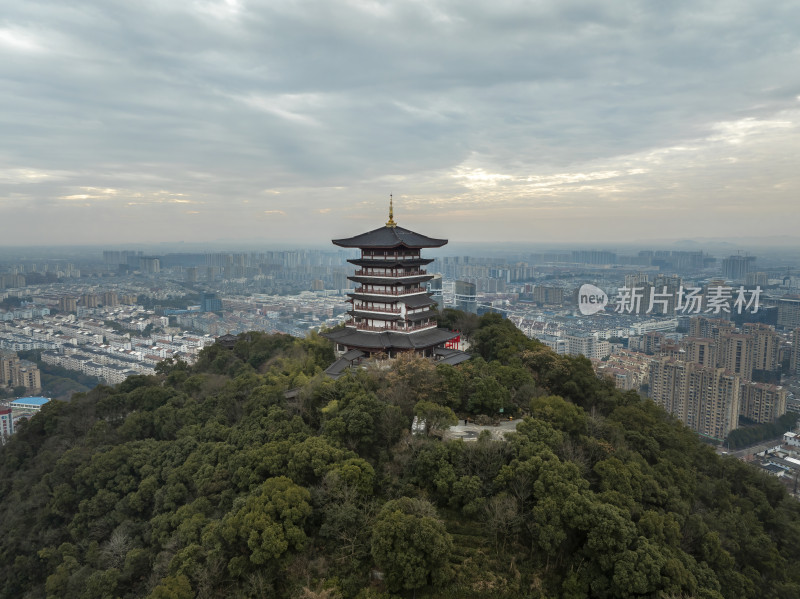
point(205, 481)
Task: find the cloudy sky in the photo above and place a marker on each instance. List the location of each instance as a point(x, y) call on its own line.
point(293, 121)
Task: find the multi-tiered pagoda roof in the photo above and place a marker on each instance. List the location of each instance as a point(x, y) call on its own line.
point(390, 237)
point(391, 309)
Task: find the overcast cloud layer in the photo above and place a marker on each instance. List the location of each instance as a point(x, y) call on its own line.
point(292, 121)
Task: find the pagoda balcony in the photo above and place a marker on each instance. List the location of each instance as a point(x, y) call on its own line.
point(364, 308)
point(394, 328)
point(393, 256)
point(394, 275)
point(409, 291)
point(419, 327)
point(366, 327)
point(405, 262)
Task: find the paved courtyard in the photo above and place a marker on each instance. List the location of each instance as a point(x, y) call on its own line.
point(470, 432)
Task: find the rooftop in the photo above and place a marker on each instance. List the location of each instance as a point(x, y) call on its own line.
point(451, 356)
point(389, 340)
point(35, 401)
point(390, 237)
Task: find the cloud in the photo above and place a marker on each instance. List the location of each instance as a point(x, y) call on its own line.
point(19, 40)
point(500, 111)
point(21, 176)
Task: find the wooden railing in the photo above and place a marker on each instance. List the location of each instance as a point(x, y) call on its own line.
point(392, 327)
point(366, 327)
point(371, 291)
point(419, 327)
point(373, 309)
point(365, 256)
point(393, 274)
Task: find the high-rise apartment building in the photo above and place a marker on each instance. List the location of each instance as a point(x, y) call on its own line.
point(667, 381)
point(210, 303)
point(67, 304)
point(794, 359)
point(788, 312)
point(10, 281)
point(435, 288)
point(550, 296)
point(737, 267)
point(149, 264)
point(8, 361)
point(708, 383)
point(636, 280)
point(704, 399)
point(594, 257)
point(766, 346)
point(587, 345)
point(652, 342)
point(762, 402)
point(129, 299)
point(700, 350)
point(110, 299)
point(715, 395)
point(27, 375)
point(658, 296)
point(6, 424)
point(664, 294)
point(756, 279)
point(90, 300)
point(709, 327)
point(466, 298)
point(15, 372)
point(736, 353)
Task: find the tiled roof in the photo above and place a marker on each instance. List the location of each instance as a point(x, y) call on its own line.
point(390, 339)
point(390, 237)
point(418, 301)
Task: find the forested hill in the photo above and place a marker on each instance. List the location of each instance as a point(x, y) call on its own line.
point(205, 481)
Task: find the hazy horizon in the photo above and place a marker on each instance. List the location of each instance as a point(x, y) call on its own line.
point(712, 247)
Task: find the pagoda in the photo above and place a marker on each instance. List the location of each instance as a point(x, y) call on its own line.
point(391, 311)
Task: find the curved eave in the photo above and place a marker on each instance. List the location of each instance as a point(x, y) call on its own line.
point(379, 296)
point(371, 279)
point(390, 263)
point(355, 339)
point(374, 315)
point(388, 238)
point(389, 299)
point(418, 301)
point(421, 315)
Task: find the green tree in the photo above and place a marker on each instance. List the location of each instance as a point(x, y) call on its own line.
point(352, 419)
point(173, 587)
point(266, 525)
point(499, 339)
point(410, 545)
point(488, 397)
point(561, 414)
point(436, 417)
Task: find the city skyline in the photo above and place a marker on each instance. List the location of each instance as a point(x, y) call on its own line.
point(292, 123)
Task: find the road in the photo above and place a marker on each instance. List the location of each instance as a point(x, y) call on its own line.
point(748, 451)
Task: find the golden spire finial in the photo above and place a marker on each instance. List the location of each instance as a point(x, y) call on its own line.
point(390, 222)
